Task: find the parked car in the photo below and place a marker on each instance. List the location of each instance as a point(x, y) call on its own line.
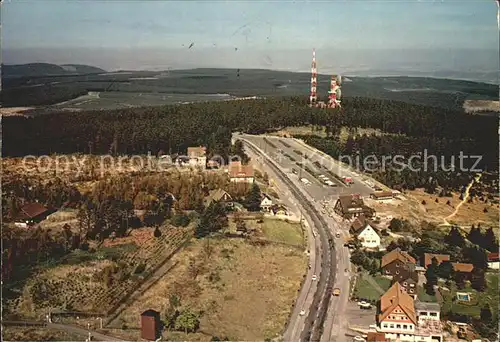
point(314, 277)
point(302, 312)
point(336, 291)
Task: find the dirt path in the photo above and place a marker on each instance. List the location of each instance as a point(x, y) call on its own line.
point(466, 197)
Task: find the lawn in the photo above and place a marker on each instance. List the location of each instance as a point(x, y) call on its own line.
point(424, 297)
point(274, 230)
point(283, 232)
point(244, 291)
point(366, 291)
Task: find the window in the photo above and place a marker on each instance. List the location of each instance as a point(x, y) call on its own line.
point(433, 314)
point(397, 264)
point(411, 291)
point(385, 325)
point(392, 326)
point(423, 313)
point(412, 285)
point(398, 326)
point(405, 326)
point(397, 272)
point(405, 284)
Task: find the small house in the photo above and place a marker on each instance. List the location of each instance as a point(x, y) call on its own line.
point(150, 325)
point(382, 195)
point(266, 203)
point(30, 214)
point(239, 173)
point(279, 209)
point(220, 196)
point(462, 267)
point(366, 233)
point(197, 156)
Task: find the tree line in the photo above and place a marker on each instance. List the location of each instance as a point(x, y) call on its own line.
point(175, 127)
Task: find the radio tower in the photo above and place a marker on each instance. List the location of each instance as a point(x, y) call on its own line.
point(314, 74)
point(335, 93)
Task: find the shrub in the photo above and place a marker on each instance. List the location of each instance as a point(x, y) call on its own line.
point(140, 268)
point(180, 220)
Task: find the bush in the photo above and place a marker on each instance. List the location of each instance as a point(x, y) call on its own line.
point(180, 220)
point(140, 268)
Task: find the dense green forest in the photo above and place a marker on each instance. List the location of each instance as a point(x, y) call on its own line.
point(175, 127)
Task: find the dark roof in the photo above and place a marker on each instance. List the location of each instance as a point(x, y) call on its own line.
point(379, 194)
point(359, 223)
point(351, 201)
point(32, 210)
point(376, 337)
point(150, 312)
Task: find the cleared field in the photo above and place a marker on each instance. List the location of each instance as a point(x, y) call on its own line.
point(36, 334)
point(97, 281)
point(274, 230)
point(413, 210)
point(477, 106)
point(244, 291)
point(364, 289)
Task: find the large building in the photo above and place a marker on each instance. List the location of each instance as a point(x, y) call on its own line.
point(398, 264)
point(365, 233)
point(349, 206)
point(239, 173)
point(402, 318)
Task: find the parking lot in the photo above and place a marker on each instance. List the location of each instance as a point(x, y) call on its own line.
point(360, 318)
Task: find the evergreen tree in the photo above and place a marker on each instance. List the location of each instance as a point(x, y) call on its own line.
point(475, 236)
point(252, 202)
point(431, 275)
point(455, 238)
point(490, 240)
point(478, 280)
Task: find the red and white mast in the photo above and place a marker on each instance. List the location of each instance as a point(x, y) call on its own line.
point(314, 75)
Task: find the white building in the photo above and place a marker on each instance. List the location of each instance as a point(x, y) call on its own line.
point(366, 234)
point(266, 204)
point(197, 156)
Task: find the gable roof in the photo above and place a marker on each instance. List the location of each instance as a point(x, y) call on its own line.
point(461, 267)
point(32, 210)
point(218, 195)
point(439, 257)
point(359, 222)
point(394, 297)
point(376, 337)
point(195, 152)
point(397, 254)
point(237, 170)
point(351, 201)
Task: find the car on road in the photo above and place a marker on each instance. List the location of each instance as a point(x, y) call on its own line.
point(336, 291)
point(294, 171)
point(310, 265)
point(364, 305)
point(358, 338)
point(302, 312)
point(337, 235)
point(314, 277)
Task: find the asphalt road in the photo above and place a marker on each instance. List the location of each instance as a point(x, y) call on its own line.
point(335, 262)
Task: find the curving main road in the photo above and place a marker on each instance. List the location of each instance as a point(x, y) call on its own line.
point(314, 323)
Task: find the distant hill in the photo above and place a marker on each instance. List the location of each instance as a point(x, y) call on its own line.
point(47, 69)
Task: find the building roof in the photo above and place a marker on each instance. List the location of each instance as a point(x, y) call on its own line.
point(439, 257)
point(461, 267)
point(427, 306)
point(32, 210)
point(150, 312)
point(218, 195)
point(195, 152)
point(351, 201)
point(492, 257)
point(359, 223)
point(379, 194)
point(376, 337)
point(237, 170)
point(397, 254)
point(394, 297)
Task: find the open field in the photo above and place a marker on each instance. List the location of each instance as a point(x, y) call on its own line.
point(97, 281)
point(14, 333)
point(478, 106)
point(412, 209)
point(245, 291)
point(274, 230)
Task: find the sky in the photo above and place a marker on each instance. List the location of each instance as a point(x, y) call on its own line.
point(348, 35)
